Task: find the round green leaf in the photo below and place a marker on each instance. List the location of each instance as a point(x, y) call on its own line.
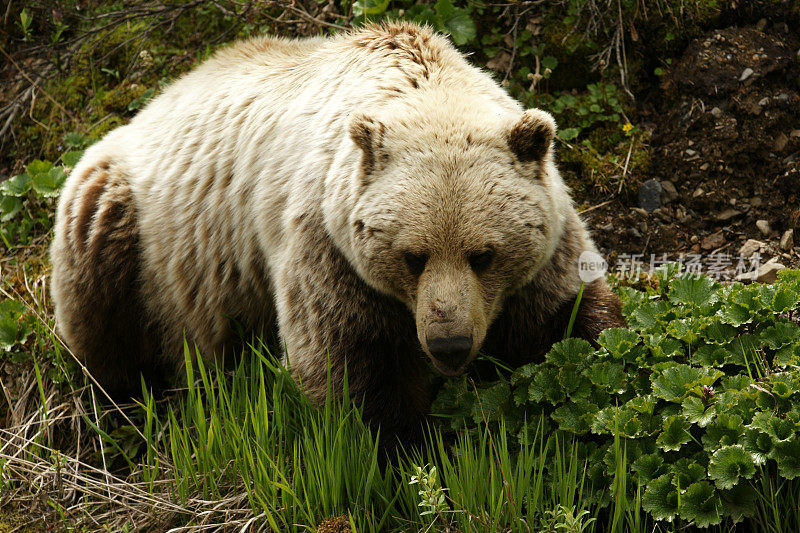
point(787, 455)
point(460, 26)
point(572, 350)
point(676, 381)
point(648, 467)
point(567, 134)
point(17, 186)
point(780, 335)
point(38, 166)
point(686, 472)
point(48, 184)
point(730, 463)
point(549, 62)
point(674, 434)
point(660, 498)
point(618, 341)
point(72, 157)
point(759, 445)
point(724, 429)
point(362, 8)
point(702, 504)
point(696, 411)
point(9, 207)
point(693, 290)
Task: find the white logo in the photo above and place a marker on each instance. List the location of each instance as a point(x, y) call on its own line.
point(591, 266)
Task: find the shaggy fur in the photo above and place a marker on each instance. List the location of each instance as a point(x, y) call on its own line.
point(372, 191)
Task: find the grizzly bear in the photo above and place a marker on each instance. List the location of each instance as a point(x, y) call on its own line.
point(386, 204)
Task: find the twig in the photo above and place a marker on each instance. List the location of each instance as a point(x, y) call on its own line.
point(33, 83)
point(625, 170)
point(595, 207)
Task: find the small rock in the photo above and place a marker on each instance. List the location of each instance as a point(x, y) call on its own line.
point(694, 239)
point(716, 112)
point(766, 273)
point(608, 227)
point(755, 201)
point(764, 101)
point(787, 241)
point(761, 24)
point(764, 227)
point(668, 192)
point(639, 211)
point(750, 247)
point(704, 166)
point(783, 97)
point(633, 232)
point(727, 214)
point(780, 142)
point(690, 152)
point(795, 133)
point(713, 241)
point(746, 73)
point(698, 193)
point(753, 109)
point(650, 195)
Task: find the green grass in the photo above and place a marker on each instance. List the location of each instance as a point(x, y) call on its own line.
point(253, 431)
point(244, 446)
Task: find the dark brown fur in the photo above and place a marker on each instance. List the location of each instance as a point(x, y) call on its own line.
point(530, 139)
point(105, 315)
point(375, 338)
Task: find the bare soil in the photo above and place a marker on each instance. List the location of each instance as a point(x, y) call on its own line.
point(725, 132)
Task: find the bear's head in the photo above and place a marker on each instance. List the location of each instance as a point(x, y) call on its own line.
point(451, 219)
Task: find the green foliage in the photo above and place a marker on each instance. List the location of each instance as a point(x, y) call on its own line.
point(430, 492)
point(26, 200)
point(25, 22)
point(444, 16)
point(16, 324)
point(602, 103)
point(702, 387)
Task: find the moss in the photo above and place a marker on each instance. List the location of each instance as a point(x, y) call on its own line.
point(108, 55)
point(117, 100)
point(103, 127)
point(595, 166)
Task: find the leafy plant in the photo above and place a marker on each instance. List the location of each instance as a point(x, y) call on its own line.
point(702, 388)
point(430, 492)
point(602, 103)
point(26, 200)
point(25, 23)
point(16, 324)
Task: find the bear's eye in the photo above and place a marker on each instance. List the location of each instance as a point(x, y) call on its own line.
point(415, 262)
point(481, 261)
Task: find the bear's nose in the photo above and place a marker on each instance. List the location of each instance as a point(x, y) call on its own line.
point(450, 351)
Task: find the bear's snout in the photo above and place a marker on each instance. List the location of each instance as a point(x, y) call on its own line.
point(451, 353)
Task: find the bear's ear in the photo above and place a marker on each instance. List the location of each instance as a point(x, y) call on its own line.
point(530, 138)
point(367, 133)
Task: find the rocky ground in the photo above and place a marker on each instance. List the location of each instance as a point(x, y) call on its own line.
point(724, 181)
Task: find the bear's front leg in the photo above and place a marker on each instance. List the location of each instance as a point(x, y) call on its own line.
point(534, 319)
point(328, 316)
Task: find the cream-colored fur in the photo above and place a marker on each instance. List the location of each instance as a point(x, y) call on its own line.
point(292, 176)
